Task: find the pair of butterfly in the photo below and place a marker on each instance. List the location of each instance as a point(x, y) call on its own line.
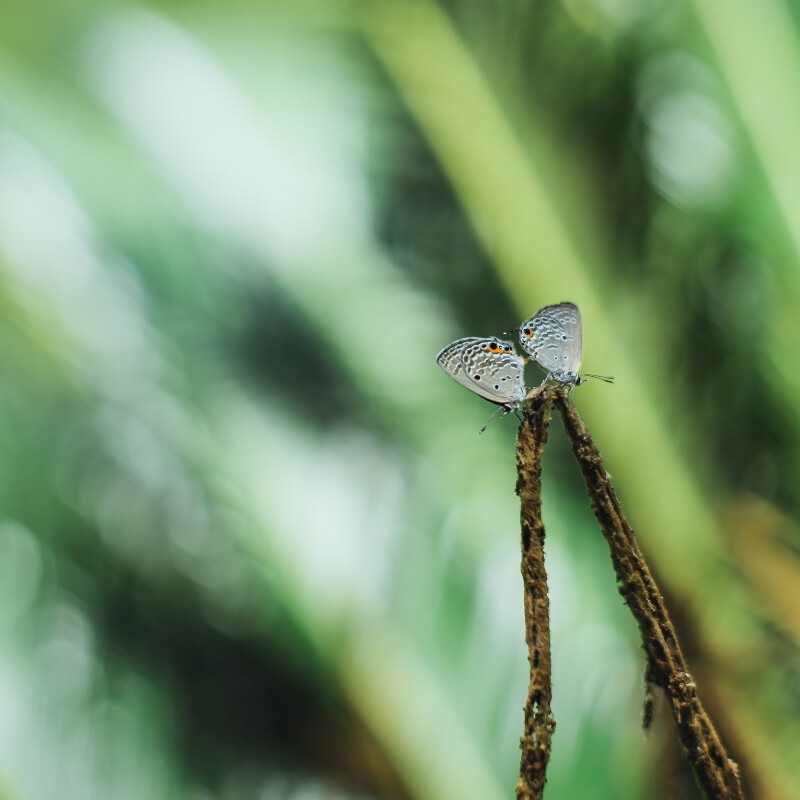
point(491, 368)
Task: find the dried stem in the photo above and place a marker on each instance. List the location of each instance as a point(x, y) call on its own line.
point(717, 774)
point(539, 720)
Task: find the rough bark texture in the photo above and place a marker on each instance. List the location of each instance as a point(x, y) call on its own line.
point(716, 773)
point(539, 720)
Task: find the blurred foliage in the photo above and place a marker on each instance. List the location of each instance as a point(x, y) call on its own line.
point(251, 545)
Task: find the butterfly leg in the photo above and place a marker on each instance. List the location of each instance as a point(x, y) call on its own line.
point(494, 414)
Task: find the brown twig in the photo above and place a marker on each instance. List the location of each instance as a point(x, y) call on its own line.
point(539, 720)
point(717, 774)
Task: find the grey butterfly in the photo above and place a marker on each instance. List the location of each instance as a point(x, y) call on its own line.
point(489, 367)
point(553, 337)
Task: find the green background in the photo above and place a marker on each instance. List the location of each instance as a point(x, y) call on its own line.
point(251, 544)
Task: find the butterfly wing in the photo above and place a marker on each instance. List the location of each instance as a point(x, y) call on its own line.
point(449, 359)
point(488, 367)
point(554, 338)
point(495, 369)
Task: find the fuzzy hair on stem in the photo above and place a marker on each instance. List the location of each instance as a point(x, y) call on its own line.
point(539, 721)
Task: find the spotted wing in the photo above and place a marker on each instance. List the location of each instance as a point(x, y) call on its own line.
point(553, 337)
point(485, 367)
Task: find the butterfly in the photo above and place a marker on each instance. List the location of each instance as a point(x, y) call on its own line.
point(489, 367)
point(553, 337)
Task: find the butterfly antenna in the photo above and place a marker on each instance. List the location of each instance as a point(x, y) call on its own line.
point(513, 330)
point(494, 414)
point(606, 378)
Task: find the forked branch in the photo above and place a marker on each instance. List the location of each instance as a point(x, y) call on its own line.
point(716, 773)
